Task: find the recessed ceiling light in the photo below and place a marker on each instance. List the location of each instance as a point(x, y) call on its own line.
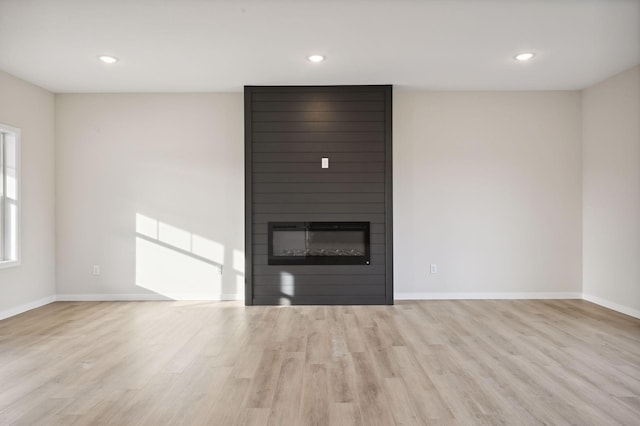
point(524, 56)
point(316, 58)
point(108, 59)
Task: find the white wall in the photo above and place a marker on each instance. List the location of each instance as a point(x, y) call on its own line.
point(151, 189)
point(496, 178)
point(611, 132)
point(487, 185)
point(31, 109)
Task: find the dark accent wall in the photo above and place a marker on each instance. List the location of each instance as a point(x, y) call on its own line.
point(287, 132)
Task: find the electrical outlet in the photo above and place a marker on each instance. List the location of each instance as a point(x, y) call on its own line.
point(96, 269)
point(434, 268)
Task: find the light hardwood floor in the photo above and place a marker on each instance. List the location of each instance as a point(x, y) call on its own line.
point(220, 363)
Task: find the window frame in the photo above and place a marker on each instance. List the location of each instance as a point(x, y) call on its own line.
point(16, 132)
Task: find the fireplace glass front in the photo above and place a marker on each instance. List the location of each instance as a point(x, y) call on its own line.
point(319, 243)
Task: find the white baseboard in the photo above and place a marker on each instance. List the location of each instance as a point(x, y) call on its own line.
point(487, 296)
point(611, 305)
point(27, 307)
point(399, 296)
point(145, 297)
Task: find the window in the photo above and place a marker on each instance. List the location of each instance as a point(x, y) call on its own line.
point(9, 196)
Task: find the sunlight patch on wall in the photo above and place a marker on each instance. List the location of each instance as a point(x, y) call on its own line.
point(240, 284)
point(238, 267)
point(175, 262)
point(238, 261)
point(287, 284)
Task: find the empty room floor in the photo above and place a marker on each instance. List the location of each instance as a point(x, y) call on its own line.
point(418, 362)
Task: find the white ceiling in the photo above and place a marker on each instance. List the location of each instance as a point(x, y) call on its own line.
point(208, 45)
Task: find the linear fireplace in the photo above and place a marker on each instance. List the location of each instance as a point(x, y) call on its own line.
point(319, 243)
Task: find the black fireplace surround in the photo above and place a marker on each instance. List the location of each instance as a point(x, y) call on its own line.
point(318, 195)
point(319, 243)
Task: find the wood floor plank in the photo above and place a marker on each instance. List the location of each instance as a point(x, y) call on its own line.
point(344, 414)
point(315, 402)
point(400, 404)
point(341, 376)
point(265, 380)
point(424, 396)
point(369, 384)
point(255, 416)
point(286, 400)
point(318, 348)
point(227, 409)
point(524, 362)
